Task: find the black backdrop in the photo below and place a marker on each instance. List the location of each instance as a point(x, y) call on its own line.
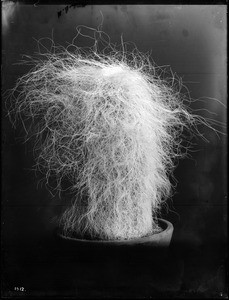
point(192, 41)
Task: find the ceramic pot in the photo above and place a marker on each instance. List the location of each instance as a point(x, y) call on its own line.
point(153, 246)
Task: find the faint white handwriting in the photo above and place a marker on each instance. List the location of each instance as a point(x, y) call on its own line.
point(19, 289)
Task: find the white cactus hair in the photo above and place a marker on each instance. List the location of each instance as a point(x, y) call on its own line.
point(107, 122)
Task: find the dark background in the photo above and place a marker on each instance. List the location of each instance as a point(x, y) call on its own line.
point(192, 41)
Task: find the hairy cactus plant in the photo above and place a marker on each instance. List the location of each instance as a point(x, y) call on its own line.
point(113, 128)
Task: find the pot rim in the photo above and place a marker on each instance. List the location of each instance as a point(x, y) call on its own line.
point(168, 230)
